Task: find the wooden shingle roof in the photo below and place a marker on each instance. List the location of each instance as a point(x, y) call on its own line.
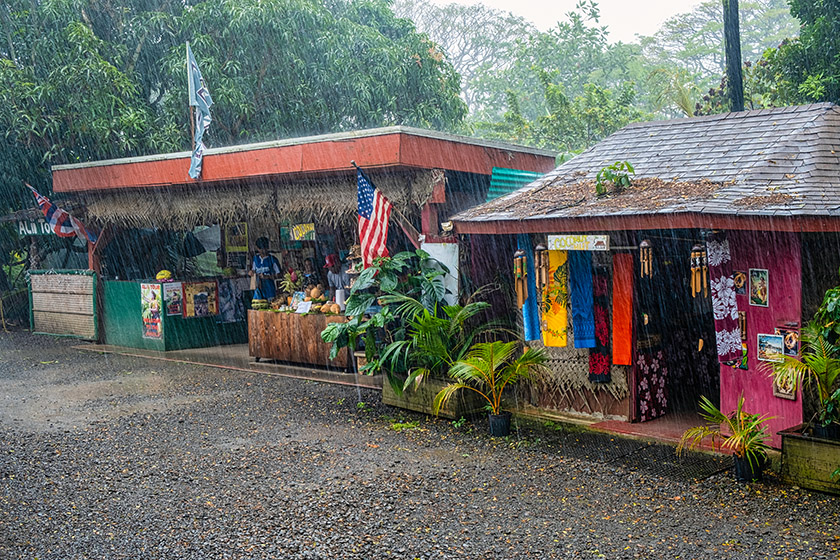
point(781, 162)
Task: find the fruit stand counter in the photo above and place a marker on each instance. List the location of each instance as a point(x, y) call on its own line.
point(293, 337)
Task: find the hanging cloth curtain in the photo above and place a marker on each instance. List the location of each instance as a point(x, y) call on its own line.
point(599, 355)
point(556, 300)
point(530, 309)
point(724, 305)
point(622, 302)
point(580, 281)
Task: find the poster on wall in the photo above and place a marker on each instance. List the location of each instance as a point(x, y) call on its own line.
point(740, 279)
point(784, 391)
point(791, 340)
point(231, 305)
point(771, 348)
point(150, 299)
point(173, 298)
point(236, 238)
point(200, 299)
point(759, 287)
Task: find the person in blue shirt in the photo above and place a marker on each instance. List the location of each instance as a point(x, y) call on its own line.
point(266, 268)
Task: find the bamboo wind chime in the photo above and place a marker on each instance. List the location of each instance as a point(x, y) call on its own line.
point(520, 275)
point(646, 259)
point(699, 272)
point(541, 268)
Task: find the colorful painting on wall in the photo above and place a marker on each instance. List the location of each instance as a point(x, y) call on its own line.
point(150, 298)
point(791, 340)
point(759, 287)
point(173, 298)
point(771, 348)
point(740, 279)
point(200, 299)
point(784, 391)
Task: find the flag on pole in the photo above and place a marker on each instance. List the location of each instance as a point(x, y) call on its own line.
point(201, 100)
point(62, 223)
point(374, 212)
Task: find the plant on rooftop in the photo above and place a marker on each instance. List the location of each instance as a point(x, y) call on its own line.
point(618, 174)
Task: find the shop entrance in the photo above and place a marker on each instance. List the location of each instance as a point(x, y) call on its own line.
point(676, 357)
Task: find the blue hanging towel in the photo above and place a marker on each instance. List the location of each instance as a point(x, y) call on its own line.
point(580, 280)
point(530, 311)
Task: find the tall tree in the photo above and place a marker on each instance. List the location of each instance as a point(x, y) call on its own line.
point(732, 46)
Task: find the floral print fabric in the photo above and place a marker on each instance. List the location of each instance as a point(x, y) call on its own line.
point(652, 388)
point(724, 305)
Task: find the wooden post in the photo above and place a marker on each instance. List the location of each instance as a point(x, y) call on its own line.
point(732, 45)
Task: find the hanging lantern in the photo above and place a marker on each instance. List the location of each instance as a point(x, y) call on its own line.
point(646, 259)
point(699, 271)
point(541, 267)
point(520, 275)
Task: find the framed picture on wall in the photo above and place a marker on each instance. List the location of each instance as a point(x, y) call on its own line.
point(784, 392)
point(791, 340)
point(759, 287)
point(771, 348)
point(739, 277)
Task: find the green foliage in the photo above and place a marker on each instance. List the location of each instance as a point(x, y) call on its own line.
point(404, 426)
point(617, 174)
point(806, 69)
point(746, 435)
point(488, 369)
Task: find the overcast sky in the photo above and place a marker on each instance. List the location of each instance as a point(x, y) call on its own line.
point(624, 18)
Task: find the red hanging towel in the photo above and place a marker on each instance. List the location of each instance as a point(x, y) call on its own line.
point(622, 301)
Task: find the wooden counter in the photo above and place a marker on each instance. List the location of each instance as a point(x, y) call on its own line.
point(295, 338)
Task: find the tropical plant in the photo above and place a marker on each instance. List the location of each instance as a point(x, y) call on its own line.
point(819, 366)
point(434, 339)
point(291, 282)
point(488, 369)
point(747, 435)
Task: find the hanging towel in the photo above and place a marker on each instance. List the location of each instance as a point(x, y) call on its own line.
point(622, 303)
point(599, 355)
point(530, 311)
point(724, 305)
point(580, 281)
point(556, 300)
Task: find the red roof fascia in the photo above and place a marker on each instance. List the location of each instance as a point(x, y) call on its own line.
point(651, 221)
point(318, 158)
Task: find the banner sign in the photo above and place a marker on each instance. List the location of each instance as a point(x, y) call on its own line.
point(579, 242)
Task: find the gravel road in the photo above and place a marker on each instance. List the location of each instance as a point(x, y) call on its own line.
point(105, 456)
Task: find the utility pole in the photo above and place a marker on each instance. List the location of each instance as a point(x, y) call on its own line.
point(732, 46)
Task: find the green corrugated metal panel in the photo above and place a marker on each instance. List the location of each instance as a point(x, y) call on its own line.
point(505, 181)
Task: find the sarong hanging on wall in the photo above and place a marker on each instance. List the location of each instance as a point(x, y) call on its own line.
point(599, 355)
point(580, 283)
point(724, 305)
point(556, 300)
point(530, 310)
point(622, 302)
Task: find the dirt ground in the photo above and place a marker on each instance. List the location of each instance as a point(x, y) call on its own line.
point(106, 456)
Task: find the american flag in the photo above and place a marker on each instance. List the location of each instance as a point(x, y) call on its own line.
point(374, 212)
point(62, 223)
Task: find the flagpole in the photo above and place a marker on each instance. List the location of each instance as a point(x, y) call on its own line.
point(192, 108)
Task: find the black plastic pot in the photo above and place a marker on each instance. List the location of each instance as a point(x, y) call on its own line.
point(746, 472)
point(499, 424)
point(832, 431)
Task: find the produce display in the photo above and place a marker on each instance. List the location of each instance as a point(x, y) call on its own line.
point(285, 303)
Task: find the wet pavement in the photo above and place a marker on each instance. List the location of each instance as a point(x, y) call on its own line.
point(110, 456)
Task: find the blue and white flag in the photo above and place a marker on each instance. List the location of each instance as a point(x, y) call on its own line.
point(201, 100)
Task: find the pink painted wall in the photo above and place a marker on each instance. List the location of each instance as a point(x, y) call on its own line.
point(779, 253)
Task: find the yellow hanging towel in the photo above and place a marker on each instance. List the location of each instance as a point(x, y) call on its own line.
point(556, 300)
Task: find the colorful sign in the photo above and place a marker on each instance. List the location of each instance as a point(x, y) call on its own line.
point(173, 298)
point(200, 299)
point(236, 238)
point(303, 232)
point(150, 299)
point(579, 242)
point(759, 287)
point(771, 348)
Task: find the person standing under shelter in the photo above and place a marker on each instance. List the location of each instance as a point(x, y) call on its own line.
point(337, 276)
point(265, 268)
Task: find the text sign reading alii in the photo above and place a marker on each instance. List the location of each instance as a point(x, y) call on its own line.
point(27, 228)
point(579, 242)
